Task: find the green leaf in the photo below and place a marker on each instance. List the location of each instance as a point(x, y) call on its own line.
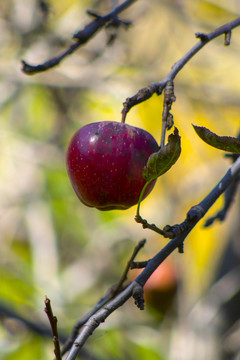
point(226, 143)
point(162, 160)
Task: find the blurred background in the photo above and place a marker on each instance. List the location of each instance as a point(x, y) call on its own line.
point(51, 244)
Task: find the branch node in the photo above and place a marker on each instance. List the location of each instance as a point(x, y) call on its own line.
point(93, 14)
point(113, 26)
point(152, 227)
point(181, 249)
point(195, 213)
point(53, 322)
point(202, 36)
point(227, 38)
point(169, 93)
point(119, 286)
point(142, 95)
point(138, 296)
point(229, 197)
point(116, 23)
point(159, 89)
point(138, 264)
point(174, 230)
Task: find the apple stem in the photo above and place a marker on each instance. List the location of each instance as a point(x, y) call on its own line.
point(141, 197)
point(124, 114)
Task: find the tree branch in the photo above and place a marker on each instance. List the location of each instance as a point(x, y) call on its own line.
point(82, 37)
point(151, 265)
point(157, 87)
point(53, 322)
point(180, 232)
point(110, 294)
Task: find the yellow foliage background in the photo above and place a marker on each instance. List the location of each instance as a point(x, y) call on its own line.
point(53, 245)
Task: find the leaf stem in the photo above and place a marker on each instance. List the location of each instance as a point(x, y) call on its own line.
point(141, 198)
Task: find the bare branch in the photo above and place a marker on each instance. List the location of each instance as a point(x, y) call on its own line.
point(123, 278)
point(194, 214)
point(53, 322)
point(152, 227)
point(157, 87)
point(82, 37)
point(199, 210)
point(99, 318)
point(138, 264)
point(229, 197)
point(110, 294)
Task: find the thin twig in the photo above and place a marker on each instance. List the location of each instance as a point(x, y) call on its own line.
point(153, 263)
point(157, 87)
point(152, 227)
point(123, 278)
point(81, 37)
point(110, 294)
point(139, 264)
point(39, 329)
point(53, 322)
point(193, 216)
point(229, 197)
point(197, 211)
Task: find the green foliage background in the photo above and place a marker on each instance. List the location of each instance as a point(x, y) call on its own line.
point(53, 245)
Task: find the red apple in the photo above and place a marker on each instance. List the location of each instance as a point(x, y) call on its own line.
point(105, 161)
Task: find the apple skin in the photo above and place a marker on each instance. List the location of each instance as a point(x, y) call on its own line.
point(105, 161)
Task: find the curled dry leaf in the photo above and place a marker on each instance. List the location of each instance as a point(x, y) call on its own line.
point(162, 160)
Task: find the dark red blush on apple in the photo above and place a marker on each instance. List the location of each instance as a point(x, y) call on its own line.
point(105, 161)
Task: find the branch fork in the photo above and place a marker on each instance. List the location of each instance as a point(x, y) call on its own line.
point(157, 87)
